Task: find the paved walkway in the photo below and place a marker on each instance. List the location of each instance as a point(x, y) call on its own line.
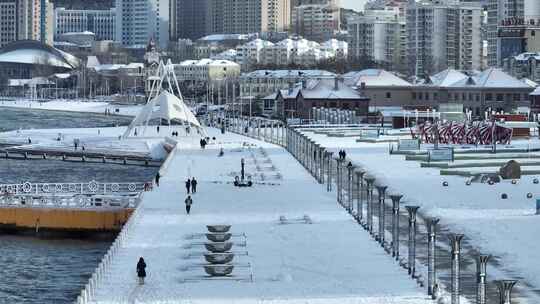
point(332, 260)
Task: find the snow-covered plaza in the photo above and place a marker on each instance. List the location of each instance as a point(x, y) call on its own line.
point(282, 258)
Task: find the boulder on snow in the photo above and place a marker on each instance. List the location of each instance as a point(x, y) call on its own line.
point(511, 170)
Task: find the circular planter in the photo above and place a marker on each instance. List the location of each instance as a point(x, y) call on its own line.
point(219, 258)
point(218, 246)
point(218, 270)
point(218, 228)
point(218, 237)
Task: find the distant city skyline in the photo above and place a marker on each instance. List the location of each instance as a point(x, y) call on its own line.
point(354, 4)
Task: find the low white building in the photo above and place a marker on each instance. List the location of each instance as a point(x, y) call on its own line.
point(262, 83)
point(206, 70)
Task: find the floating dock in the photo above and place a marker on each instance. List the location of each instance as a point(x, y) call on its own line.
point(67, 220)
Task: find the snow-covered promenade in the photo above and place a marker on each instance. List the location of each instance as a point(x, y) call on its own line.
point(331, 260)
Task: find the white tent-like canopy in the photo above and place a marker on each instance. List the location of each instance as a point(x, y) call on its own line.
point(165, 106)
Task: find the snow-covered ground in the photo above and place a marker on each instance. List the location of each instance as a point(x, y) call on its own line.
point(505, 228)
point(95, 140)
point(73, 106)
point(332, 260)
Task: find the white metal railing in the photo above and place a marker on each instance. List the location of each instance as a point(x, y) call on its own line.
point(268, 130)
point(70, 201)
point(90, 188)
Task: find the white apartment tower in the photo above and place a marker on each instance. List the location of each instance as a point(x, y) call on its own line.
point(139, 21)
point(443, 35)
point(379, 35)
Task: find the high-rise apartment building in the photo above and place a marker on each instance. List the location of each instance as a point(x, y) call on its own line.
point(249, 16)
point(316, 20)
point(198, 18)
point(443, 35)
point(100, 22)
point(25, 19)
point(139, 21)
point(512, 25)
point(379, 35)
point(191, 19)
point(8, 21)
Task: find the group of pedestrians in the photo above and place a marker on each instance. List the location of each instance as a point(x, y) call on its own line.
point(342, 154)
point(191, 185)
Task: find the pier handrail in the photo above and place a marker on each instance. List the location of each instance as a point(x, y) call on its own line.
point(71, 201)
point(90, 188)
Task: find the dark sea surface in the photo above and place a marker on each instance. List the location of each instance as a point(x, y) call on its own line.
point(53, 270)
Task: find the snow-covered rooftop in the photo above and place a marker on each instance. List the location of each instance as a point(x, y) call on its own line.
point(207, 61)
point(289, 73)
point(374, 78)
point(322, 89)
point(34, 52)
point(257, 43)
point(492, 78)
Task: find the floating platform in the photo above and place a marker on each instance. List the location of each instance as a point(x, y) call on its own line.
point(74, 156)
point(63, 220)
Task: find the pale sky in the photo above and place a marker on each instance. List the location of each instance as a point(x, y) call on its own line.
point(354, 4)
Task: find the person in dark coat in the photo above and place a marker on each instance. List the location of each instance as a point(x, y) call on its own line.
point(193, 185)
point(188, 185)
point(188, 203)
point(157, 179)
point(141, 270)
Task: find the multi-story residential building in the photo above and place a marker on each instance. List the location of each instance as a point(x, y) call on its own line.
point(316, 20)
point(207, 70)
point(249, 16)
point(290, 51)
point(443, 35)
point(525, 65)
point(100, 22)
point(510, 26)
point(379, 36)
point(250, 53)
point(194, 19)
point(8, 21)
point(26, 19)
point(191, 19)
point(139, 21)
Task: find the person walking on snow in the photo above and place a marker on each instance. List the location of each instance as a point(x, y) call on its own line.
point(188, 203)
point(188, 185)
point(193, 185)
point(141, 270)
point(157, 179)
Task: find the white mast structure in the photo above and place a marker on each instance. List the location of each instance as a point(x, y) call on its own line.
point(170, 98)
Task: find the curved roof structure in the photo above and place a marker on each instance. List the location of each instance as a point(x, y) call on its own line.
point(35, 52)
